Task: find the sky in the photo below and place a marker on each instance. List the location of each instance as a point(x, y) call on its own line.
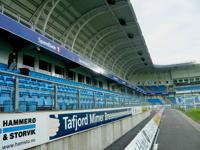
point(171, 29)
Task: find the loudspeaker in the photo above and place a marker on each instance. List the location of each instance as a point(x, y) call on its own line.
point(24, 71)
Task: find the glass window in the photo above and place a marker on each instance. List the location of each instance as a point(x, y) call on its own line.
point(100, 84)
point(43, 65)
point(95, 82)
point(28, 60)
point(88, 80)
point(80, 78)
point(59, 70)
point(71, 75)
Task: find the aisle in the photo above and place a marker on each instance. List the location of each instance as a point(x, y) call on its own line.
point(176, 133)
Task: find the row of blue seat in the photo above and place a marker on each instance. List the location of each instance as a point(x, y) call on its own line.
point(155, 101)
point(188, 88)
point(155, 88)
point(35, 94)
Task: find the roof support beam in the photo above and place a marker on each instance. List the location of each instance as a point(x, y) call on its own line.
point(34, 18)
point(124, 52)
point(98, 35)
point(131, 73)
point(80, 23)
point(117, 49)
point(40, 13)
point(127, 63)
point(108, 47)
point(110, 52)
point(112, 56)
point(113, 37)
point(99, 40)
point(122, 55)
point(130, 68)
point(136, 58)
point(54, 4)
point(113, 46)
point(102, 32)
point(102, 37)
point(85, 23)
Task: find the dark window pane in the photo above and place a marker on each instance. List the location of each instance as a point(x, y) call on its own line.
point(71, 75)
point(88, 80)
point(59, 70)
point(43, 65)
point(28, 60)
point(80, 78)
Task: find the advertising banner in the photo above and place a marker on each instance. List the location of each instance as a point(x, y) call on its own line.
point(21, 131)
point(144, 139)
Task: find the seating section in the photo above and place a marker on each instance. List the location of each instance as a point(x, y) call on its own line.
point(39, 95)
point(172, 100)
point(191, 88)
point(4, 67)
point(155, 89)
point(197, 99)
point(155, 101)
point(188, 100)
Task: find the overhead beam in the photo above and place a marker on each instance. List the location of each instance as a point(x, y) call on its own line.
point(122, 55)
point(81, 22)
point(54, 4)
point(103, 36)
point(124, 52)
point(98, 35)
point(129, 69)
point(109, 53)
point(39, 13)
point(128, 62)
point(116, 44)
point(106, 41)
point(33, 19)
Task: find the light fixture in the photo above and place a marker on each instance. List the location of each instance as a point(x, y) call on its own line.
point(111, 2)
point(122, 21)
point(139, 53)
point(143, 59)
point(38, 48)
point(130, 35)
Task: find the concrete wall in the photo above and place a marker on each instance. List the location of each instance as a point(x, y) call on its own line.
point(97, 138)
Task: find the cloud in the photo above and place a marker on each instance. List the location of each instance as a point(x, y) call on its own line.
point(170, 28)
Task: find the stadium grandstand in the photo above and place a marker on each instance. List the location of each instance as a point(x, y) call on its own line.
point(77, 74)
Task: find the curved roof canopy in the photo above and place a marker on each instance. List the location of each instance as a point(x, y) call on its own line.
point(103, 31)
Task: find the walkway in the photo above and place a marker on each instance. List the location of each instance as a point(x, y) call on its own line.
point(177, 132)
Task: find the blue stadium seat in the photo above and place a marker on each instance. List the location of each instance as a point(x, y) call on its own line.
point(22, 106)
point(48, 102)
point(32, 106)
point(155, 101)
point(7, 106)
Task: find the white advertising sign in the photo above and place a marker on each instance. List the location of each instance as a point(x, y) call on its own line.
point(144, 139)
point(24, 130)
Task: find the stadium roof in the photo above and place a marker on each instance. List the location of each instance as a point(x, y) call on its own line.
point(103, 31)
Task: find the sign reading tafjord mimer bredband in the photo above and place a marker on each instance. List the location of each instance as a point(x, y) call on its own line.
point(20, 131)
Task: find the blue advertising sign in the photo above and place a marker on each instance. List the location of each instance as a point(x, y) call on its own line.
point(75, 122)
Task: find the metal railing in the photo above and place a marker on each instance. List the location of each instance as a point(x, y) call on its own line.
point(98, 98)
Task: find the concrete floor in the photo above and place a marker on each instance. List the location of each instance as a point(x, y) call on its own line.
point(177, 133)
